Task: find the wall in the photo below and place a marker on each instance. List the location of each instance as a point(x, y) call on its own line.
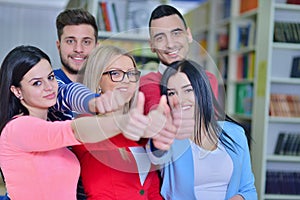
point(30, 23)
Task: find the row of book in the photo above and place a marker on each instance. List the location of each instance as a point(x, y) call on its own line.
point(245, 5)
point(245, 33)
point(117, 16)
point(244, 98)
point(288, 144)
point(280, 182)
point(222, 40)
point(284, 105)
point(295, 71)
point(222, 64)
point(107, 17)
point(245, 66)
point(287, 32)
point(144, 57)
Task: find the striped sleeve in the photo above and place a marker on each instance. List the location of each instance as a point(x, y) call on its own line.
point(73, 96)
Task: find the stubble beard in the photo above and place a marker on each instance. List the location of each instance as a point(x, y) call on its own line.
point(68, 67)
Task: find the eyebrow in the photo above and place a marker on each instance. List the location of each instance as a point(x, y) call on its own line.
point(158, 34)
point(74, 38)
point(176, 29)
point(172, 31)
point(38, 78)
point(188, 85)
point(183, 87)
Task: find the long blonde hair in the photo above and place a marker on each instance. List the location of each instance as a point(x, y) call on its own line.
point(91, 73)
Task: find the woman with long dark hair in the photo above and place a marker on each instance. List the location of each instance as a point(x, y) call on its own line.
point(214, 162)
point(34, 157)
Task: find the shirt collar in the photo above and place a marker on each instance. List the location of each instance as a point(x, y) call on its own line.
point(162, 67)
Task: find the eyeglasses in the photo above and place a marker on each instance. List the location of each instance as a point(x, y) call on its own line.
point(118, 75)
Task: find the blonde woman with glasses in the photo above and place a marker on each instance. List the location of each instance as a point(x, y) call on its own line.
point(117, 168)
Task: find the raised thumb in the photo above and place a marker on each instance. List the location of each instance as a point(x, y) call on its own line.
point(140, 102)
point(163, 106)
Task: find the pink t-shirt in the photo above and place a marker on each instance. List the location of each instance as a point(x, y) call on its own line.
point(35, 161)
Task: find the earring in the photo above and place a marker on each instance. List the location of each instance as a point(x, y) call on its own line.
point(99, 90)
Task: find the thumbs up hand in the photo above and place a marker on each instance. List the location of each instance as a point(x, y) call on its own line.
point(161, 128)
point(183, 119)
point(134, 123)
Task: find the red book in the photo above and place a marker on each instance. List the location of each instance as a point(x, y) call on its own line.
point(105, 15)
point(293, 2)
point(246, 5)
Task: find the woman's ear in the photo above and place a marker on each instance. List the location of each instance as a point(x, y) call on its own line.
point(17, 92)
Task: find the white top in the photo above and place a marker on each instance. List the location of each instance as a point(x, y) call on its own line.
point(212, 170)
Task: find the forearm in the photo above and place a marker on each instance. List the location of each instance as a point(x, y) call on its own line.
point(75, 97)
point(94, 129)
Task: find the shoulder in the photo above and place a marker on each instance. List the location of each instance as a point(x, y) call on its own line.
point(152, 77)
point(21, 123)
point(24, 120)
point(61, 77)
point(236, 132)
point(58, 72)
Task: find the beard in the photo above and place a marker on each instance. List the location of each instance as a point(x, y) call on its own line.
point(68, 67)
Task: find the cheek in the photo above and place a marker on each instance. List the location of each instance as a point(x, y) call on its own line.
point(55, 86)
point(106, 84)
point(191, 97)
point(89, 49)
point(64, 49)
point(132, 88)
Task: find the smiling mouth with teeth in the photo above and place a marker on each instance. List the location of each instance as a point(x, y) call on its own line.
point(123, 89)
point(173, 52)
point(80, 59)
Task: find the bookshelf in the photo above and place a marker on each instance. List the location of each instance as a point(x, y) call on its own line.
point(229, 39)
point(136, 44)
point(134, 38)
point(269, 73)
point(274, 62)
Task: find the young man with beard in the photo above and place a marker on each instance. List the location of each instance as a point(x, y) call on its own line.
point(77, 33)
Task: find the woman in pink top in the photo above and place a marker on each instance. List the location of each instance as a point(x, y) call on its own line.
point(33, 156)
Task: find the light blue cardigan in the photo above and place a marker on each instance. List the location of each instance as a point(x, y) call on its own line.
point(177, 168)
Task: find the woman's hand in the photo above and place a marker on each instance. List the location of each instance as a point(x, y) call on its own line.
point(134, 123)
point(183, 120)
point(161, 128)
point(106, 103)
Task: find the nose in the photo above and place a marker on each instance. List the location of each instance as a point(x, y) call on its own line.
point(170, 41)
point(182, 98)
point(48, 85)
point(78, 47)
point(126, 78)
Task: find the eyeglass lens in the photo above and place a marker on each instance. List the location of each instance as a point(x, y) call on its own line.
point(118, 75)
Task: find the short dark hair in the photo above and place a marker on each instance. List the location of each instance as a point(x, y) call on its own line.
point(163, 11)
point(75, 17)
point(14, 66)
